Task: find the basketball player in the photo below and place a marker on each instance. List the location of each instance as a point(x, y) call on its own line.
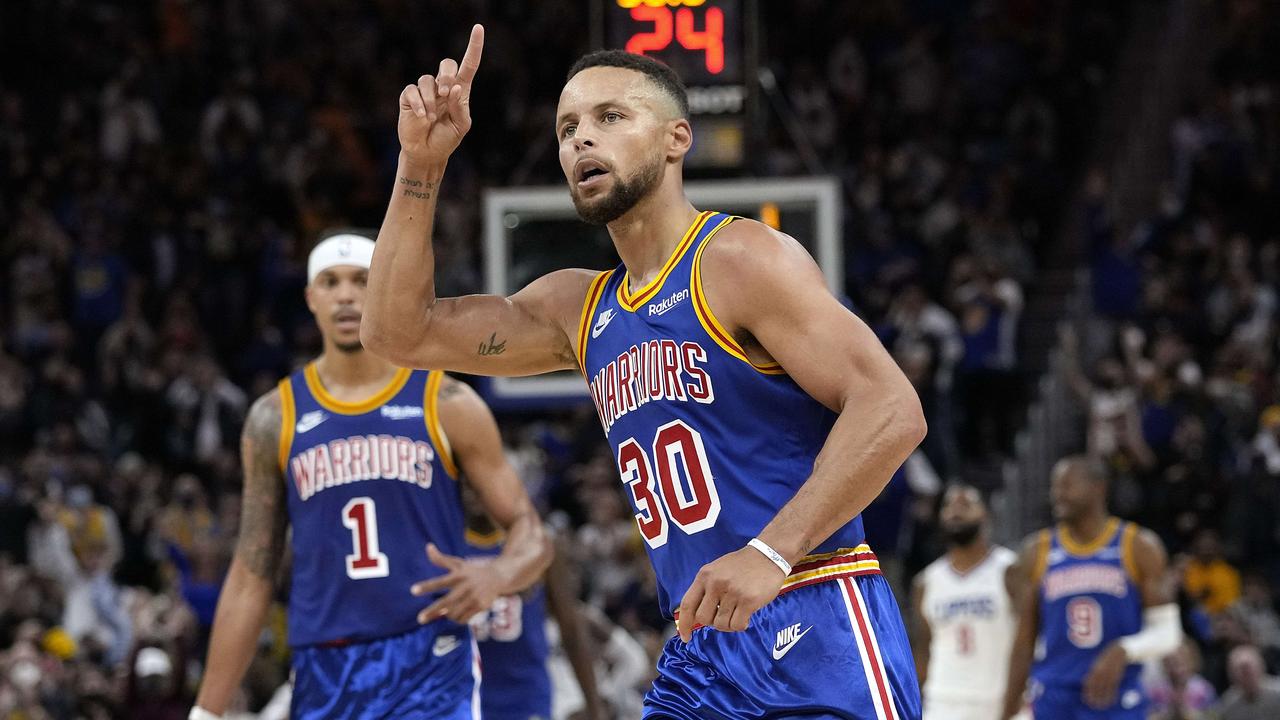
point(362, 460)
point(512, 639)
point(1097, 606)
point(752, 417)
point(963, 611)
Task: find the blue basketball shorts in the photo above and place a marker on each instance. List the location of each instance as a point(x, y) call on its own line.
point(835, 649)
point(1053, 702)
point(430, 672)
point(513, 690)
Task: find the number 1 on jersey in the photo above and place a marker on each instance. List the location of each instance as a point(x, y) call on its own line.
point(365, 560)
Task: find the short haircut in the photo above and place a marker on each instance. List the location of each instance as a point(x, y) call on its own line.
point(1092, 467)
point(658, 73)
point(965, 487)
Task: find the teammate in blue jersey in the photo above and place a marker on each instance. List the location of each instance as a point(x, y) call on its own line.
point(1099, 606)
point(512, 638)
point(363, 460)
point(752, 417)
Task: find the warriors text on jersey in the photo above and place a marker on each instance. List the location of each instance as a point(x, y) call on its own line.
point(369, 484)
point(1088, 598)
point(972, 624)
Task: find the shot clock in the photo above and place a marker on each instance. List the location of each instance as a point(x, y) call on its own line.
point(711, 44)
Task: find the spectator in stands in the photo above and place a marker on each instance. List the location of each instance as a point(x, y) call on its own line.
point(1209, 579)
point(1266, 444)
point(1253, 695)
point(77, 546)
point(1180, 693)
point(1256, 611)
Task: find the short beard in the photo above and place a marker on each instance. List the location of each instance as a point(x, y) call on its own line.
point(350, 348)
point(962, 535)
point(624, 196)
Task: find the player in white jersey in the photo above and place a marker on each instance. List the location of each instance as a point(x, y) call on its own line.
point(963, 615)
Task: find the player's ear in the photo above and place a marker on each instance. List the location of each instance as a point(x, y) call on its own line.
point(311, 304)
point(679, 139)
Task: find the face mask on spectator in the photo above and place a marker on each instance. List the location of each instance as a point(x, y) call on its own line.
point(24, 675)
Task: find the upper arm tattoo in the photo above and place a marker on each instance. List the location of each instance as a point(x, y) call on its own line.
point(492, 346)
point(263, 514)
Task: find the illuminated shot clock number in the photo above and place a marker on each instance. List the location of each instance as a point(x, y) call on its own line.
point(678, 24)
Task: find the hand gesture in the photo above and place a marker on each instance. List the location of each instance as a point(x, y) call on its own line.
point(728, 590)
point(471, 588)
point(436, 112)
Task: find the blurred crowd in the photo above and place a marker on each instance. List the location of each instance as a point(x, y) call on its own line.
point(166, 165)
point(1177, 368)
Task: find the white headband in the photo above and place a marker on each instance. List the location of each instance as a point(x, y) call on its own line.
point(355, 250)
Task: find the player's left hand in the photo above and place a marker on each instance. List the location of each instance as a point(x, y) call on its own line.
point(728, 590)
point(1103, 680)
point(472, 587)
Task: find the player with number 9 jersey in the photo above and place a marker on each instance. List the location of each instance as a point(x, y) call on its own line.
point(1088, 597)
point(1099, 606)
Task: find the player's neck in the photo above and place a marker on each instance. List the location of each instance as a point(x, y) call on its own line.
point(353, 375)
point(964, 558)
point(648, 233)
point(1087, 529)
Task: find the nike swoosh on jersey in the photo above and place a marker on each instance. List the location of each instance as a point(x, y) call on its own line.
point(602, 322)
point(310, 420)
point(779, 652)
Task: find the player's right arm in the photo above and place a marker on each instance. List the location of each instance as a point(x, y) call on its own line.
point(246, 595)
point(403, 321)
point(1022, 574)
point(921, 634)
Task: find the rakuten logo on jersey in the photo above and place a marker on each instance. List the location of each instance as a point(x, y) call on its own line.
point(359, 458)
point(660, 308)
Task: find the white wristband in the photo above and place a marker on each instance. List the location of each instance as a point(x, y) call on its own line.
point(772, 554)
point(199, 713)
point(1160, 635)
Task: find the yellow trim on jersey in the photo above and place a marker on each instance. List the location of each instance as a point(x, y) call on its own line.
point(594, 292)
point(287, 413)
point(632, 301)
point(708, 320)
point(435, 429)
point(360, 407)
point(1042, 556)
point(484, 540)
point(1126, 552)
point(1092, 546)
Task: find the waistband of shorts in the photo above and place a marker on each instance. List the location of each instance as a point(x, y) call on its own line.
point(814, 569)
point(843, 563)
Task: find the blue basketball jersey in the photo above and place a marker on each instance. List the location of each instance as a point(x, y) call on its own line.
point(369, 485)
point(1088, 599)
point(513, 648)
point(709, 445)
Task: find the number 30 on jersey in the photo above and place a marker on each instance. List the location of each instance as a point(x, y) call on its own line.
point(661, 498)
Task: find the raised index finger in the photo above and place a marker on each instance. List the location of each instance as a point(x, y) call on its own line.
point(471, 60)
